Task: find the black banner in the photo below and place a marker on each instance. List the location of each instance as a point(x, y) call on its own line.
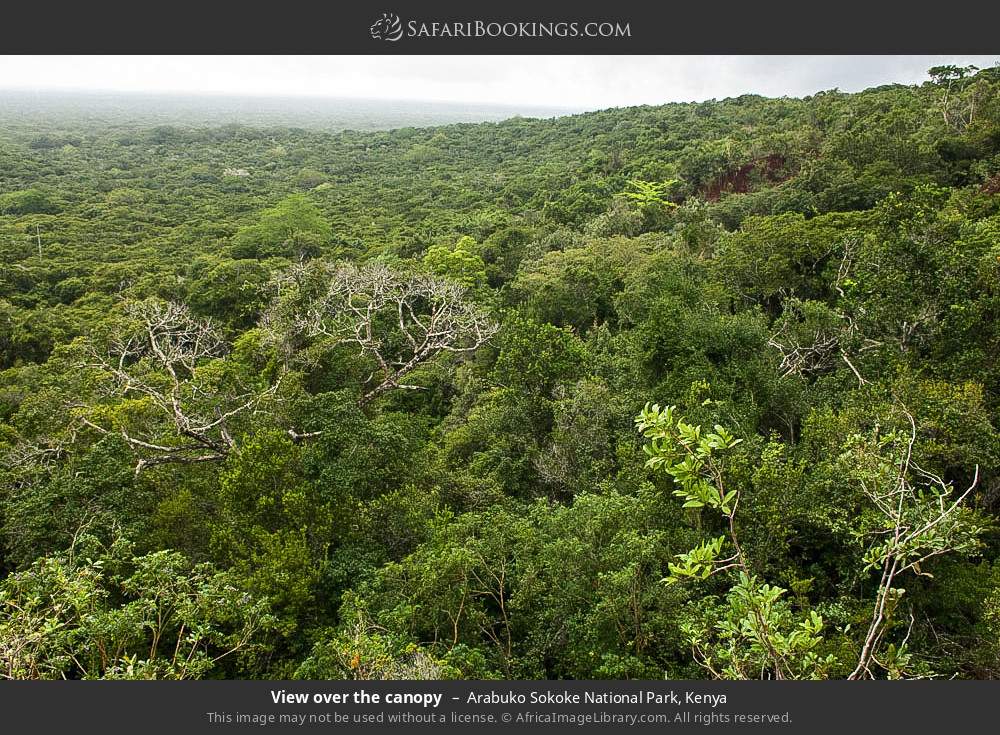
point(513, 27)
point(487, 707)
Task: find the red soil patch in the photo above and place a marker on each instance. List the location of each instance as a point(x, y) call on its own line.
point(738, 181)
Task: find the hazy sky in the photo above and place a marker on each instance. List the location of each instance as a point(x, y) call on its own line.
point(578, 82)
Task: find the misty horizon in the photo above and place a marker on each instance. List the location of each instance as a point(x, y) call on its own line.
point(560, 83)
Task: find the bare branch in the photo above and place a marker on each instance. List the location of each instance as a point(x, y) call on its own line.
point(160, 356)
point(919, 522)
point(399, 322)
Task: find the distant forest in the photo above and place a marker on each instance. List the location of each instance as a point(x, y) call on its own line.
point(704, 390)
point(73, 111)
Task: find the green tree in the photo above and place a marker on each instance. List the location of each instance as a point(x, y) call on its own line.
point(460, 262)
point(104, 612)
point(293, 228)
point(910, 517)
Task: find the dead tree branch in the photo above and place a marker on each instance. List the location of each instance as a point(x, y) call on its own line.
point(168, 359)
point(399, 322)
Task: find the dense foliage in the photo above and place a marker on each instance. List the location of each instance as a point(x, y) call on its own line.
point(692, 390)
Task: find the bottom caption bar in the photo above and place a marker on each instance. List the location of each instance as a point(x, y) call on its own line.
point(526, 706)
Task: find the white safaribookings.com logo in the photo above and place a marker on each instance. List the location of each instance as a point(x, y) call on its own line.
point(390, 28)
point(387, 28)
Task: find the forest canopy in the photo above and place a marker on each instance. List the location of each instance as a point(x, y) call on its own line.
point(692, 390)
